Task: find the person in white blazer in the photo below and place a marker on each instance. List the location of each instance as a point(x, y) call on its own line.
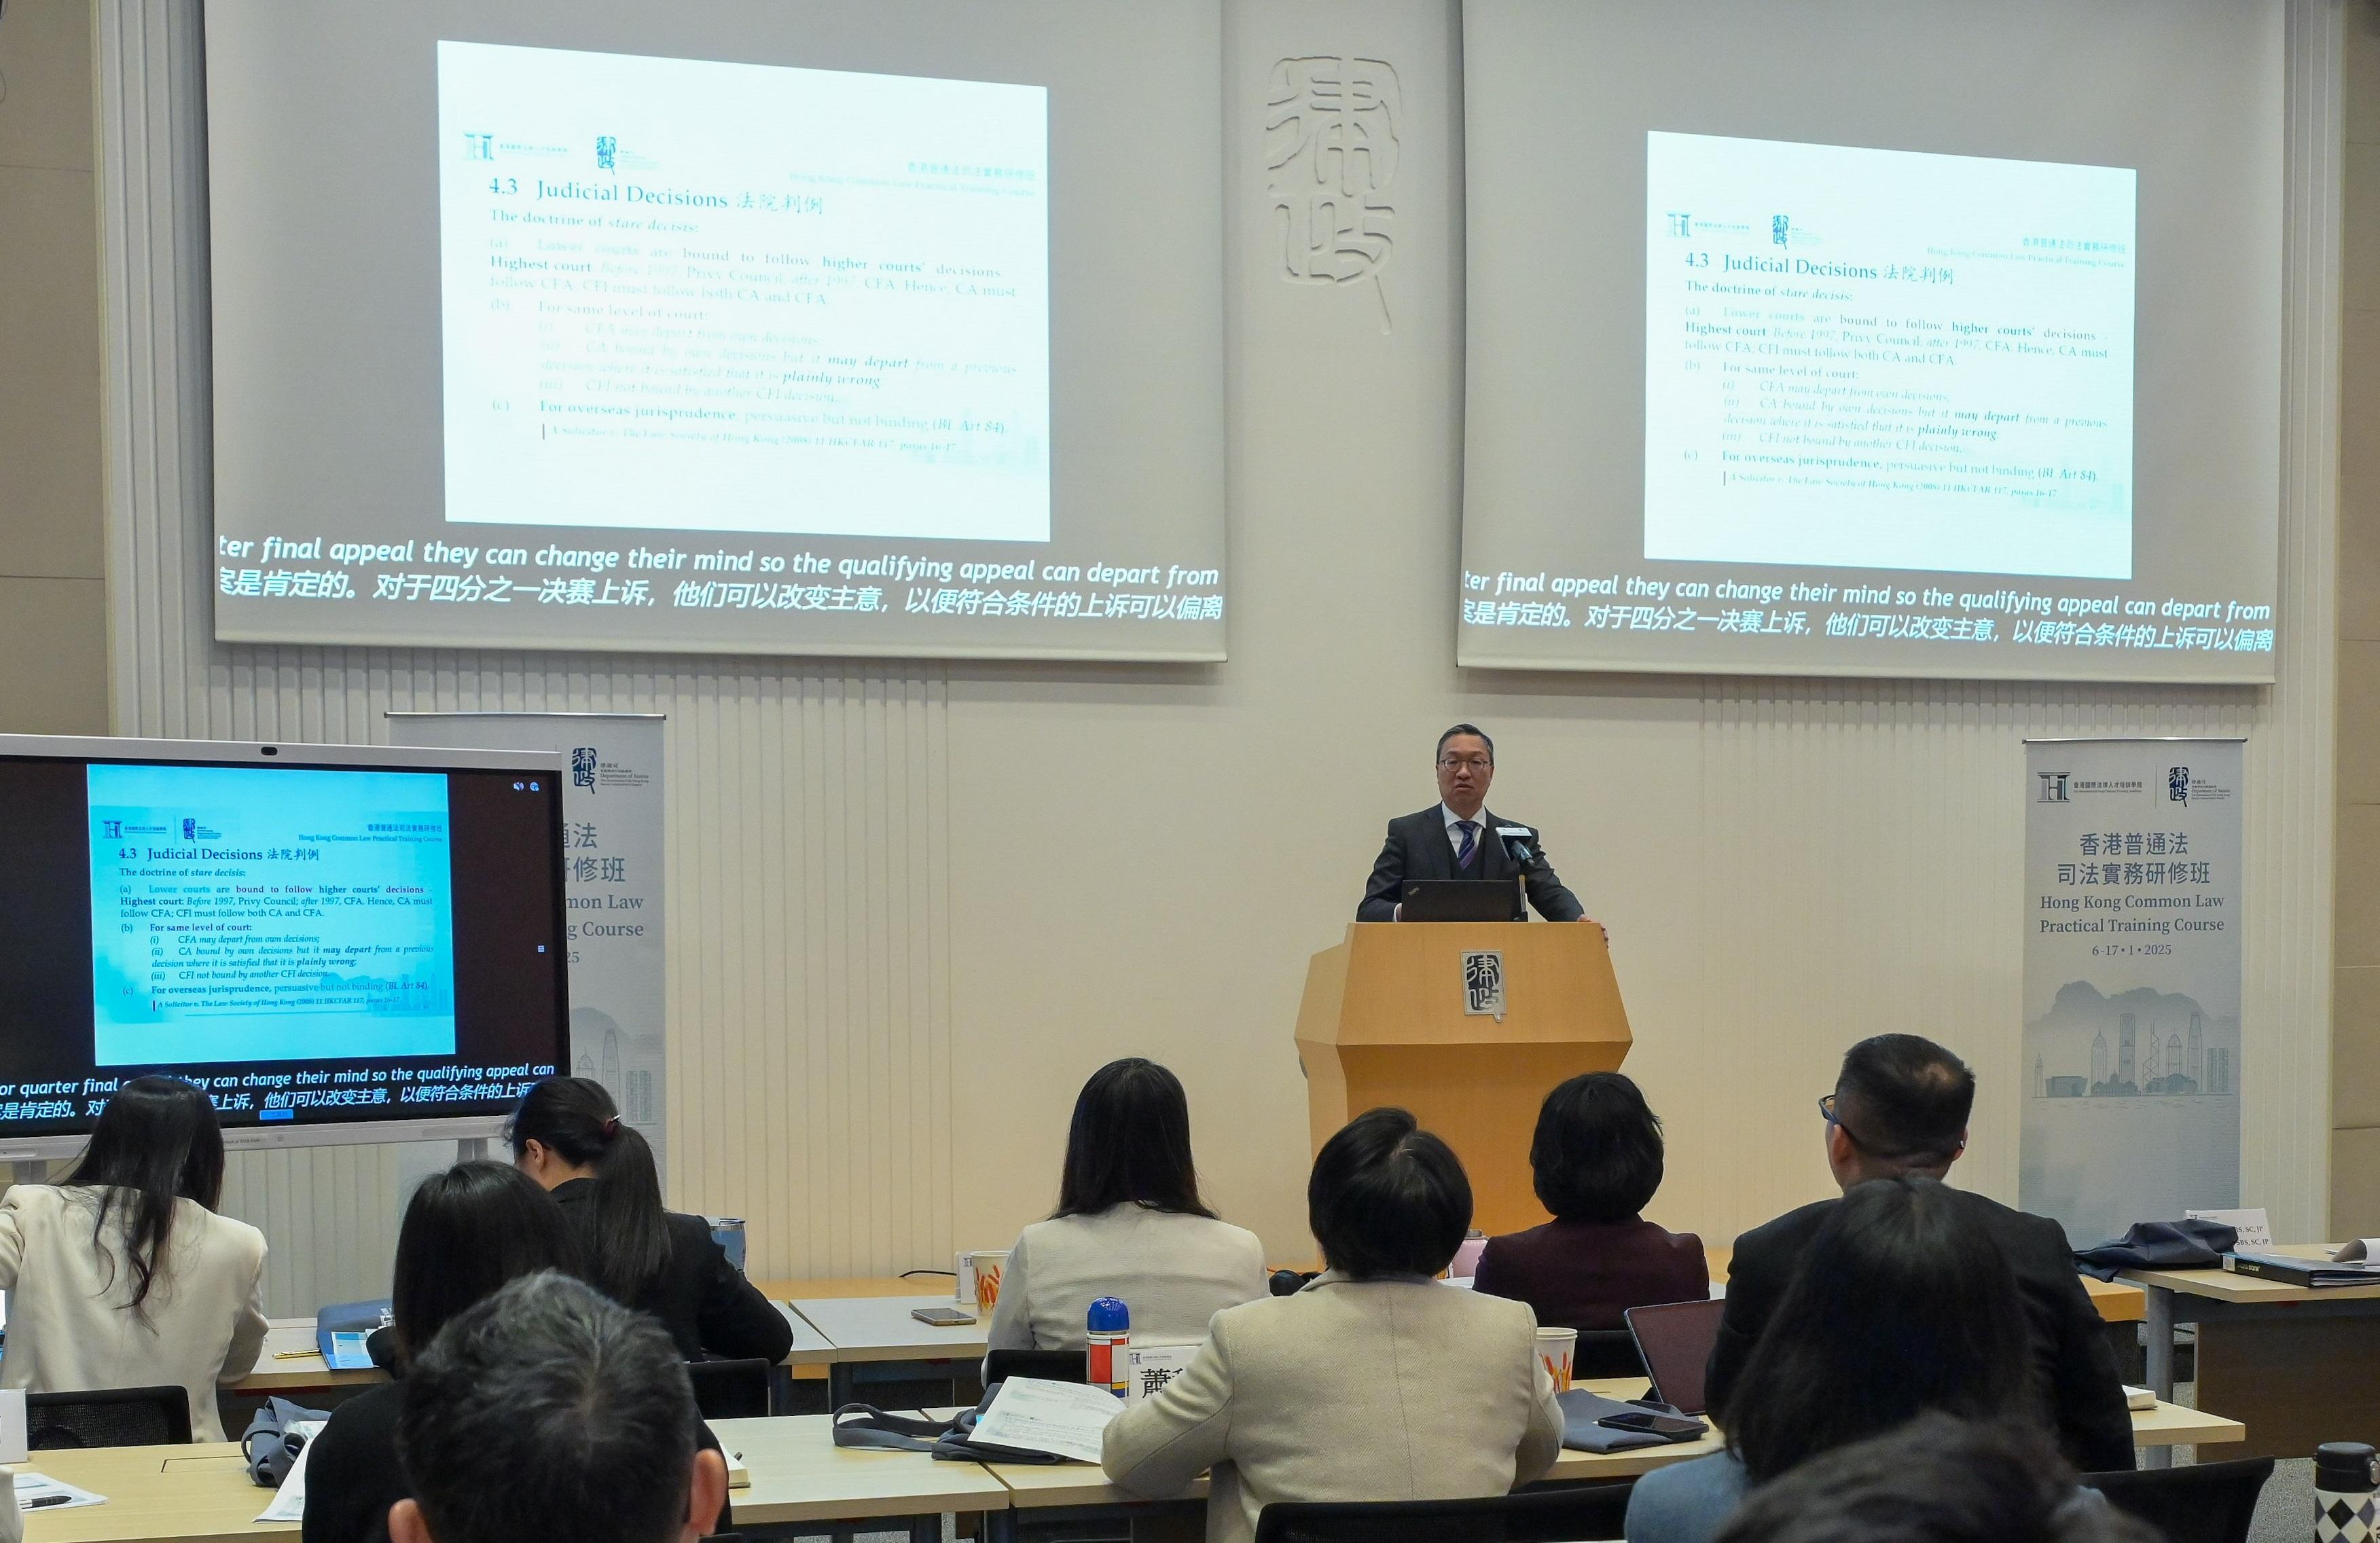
point(122, 1275)
point(1129, 1224)
point(1376, 1382)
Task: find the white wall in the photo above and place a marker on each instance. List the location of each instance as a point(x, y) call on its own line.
point(914, 907)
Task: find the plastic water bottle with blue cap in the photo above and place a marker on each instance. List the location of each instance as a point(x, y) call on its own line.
point(1108, 1329)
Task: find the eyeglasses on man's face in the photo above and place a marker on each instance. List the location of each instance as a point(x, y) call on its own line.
point(1465, 763)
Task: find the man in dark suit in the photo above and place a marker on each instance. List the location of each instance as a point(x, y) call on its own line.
point(1901, 1107)
point(1459, 839)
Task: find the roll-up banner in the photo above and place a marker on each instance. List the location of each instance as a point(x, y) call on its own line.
point(612, 878)
point(2131, 1069)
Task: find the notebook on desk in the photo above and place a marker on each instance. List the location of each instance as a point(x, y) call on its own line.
point(1676, 1340)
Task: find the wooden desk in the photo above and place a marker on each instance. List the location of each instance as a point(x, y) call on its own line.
point(2296, 1362)
point(291, 1361)
point(1076, 1486)
point(800, 1474)
point(193, 1494)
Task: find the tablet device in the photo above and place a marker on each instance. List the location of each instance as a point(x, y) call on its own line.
point(1676, 1340)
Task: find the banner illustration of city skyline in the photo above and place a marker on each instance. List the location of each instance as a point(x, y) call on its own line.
point(2131, 1065)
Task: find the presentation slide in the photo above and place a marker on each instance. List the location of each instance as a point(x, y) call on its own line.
point(348, 935)
point(785, 327)
point(1867, 358)
point(1783, 359)
point(644, 296)
point(247, 913)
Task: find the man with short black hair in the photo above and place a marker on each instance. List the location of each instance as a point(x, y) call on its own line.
point(1899, 1107)
point(1459, 838)
point(550, 1413)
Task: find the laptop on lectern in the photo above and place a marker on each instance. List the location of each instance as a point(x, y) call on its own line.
point(1676, 1340)
point(1464, 900)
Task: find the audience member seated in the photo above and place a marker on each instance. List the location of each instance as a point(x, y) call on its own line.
point(1899, 1107)
point(1597, 1159)
point(1376, 1382)
point(1934, 1480)
point(569, 1138)
point(467, 1232)
point(548, 1414)
point(1129, 1224)
point(1901, 1305)
point(122, 1275)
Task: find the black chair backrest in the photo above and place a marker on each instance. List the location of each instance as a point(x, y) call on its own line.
point(730, 1390)
point(1540, 1515)
point(1605, 1353)
point(1048, 1366)
point(108, 1417)
point(2208, 1503)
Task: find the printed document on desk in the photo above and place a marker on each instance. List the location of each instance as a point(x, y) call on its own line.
point(1065, 1419)
point(40, 1492)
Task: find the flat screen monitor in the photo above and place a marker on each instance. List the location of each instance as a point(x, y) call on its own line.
point(338, 944)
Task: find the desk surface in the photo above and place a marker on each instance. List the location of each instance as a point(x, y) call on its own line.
point(194, 1494)
point(879, 1329)
point(800, 1474)
point(290, 1360)
point(2222, 1285)
point(1070, 1484)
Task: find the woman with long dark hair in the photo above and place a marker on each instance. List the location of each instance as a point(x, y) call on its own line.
point(467, 1232)
point(568, 1134)
point(1130, 1223)
point(121, 1275)
point(1901, 1305)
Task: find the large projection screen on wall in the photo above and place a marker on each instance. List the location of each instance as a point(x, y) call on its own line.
point(1873, 337)
point(782, 326)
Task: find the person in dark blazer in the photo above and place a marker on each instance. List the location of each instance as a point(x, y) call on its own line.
point(1900, 1107)
point(467, 1232)
point(1457, 839)
point(568, 1137)
point(1597, 1160)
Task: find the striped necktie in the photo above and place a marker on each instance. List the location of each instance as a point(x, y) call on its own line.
point(1470, 847)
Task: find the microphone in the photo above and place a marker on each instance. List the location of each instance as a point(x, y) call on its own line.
point(1517, 840)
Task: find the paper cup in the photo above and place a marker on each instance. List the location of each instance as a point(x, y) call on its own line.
point(988, 1265)
point(1558, 1349)
point(965, 1295)
point(1467, 1258)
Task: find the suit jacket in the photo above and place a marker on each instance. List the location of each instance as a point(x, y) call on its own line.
point(70, 1325)
point(708, 1307)
point(1417, 849)
point(1586, 1274)
point(2075, 1366)
point(1391, 1389)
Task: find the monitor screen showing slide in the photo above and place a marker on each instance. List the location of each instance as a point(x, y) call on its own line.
point(722, 328)
point(1778, 364)
point(379, 941)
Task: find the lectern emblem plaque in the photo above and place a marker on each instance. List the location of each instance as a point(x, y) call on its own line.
point(1483, 983)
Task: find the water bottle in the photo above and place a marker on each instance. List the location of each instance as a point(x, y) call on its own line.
point(2346, 1473)
point(1109, 1330)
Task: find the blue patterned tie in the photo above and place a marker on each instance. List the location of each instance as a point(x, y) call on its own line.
point(1470, 847)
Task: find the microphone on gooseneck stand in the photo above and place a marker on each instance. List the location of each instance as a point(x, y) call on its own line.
point(1522, 844)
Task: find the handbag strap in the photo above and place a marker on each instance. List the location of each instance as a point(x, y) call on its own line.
point(864, 1425)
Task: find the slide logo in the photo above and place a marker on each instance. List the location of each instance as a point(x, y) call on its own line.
point(2053, 786)
point(2177, 785)
point(582, 766)
point(479, 146)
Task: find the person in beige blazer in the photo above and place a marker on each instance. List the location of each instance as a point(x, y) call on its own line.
point(122, 1275)
point(1130, 1223)
point(1376, 1382)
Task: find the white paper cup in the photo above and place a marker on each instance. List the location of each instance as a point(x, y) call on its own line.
point(1556, 1351)
point(988, 1265)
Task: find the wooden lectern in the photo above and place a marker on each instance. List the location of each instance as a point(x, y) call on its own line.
point(1385, 1020)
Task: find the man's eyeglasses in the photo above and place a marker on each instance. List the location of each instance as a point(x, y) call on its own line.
point(1827, 1108)
point(1458, 763)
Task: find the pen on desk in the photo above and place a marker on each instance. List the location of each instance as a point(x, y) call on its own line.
point(39, 1500)
point(295, 1355)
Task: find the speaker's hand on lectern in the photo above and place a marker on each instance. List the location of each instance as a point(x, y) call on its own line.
point(1601, 928)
